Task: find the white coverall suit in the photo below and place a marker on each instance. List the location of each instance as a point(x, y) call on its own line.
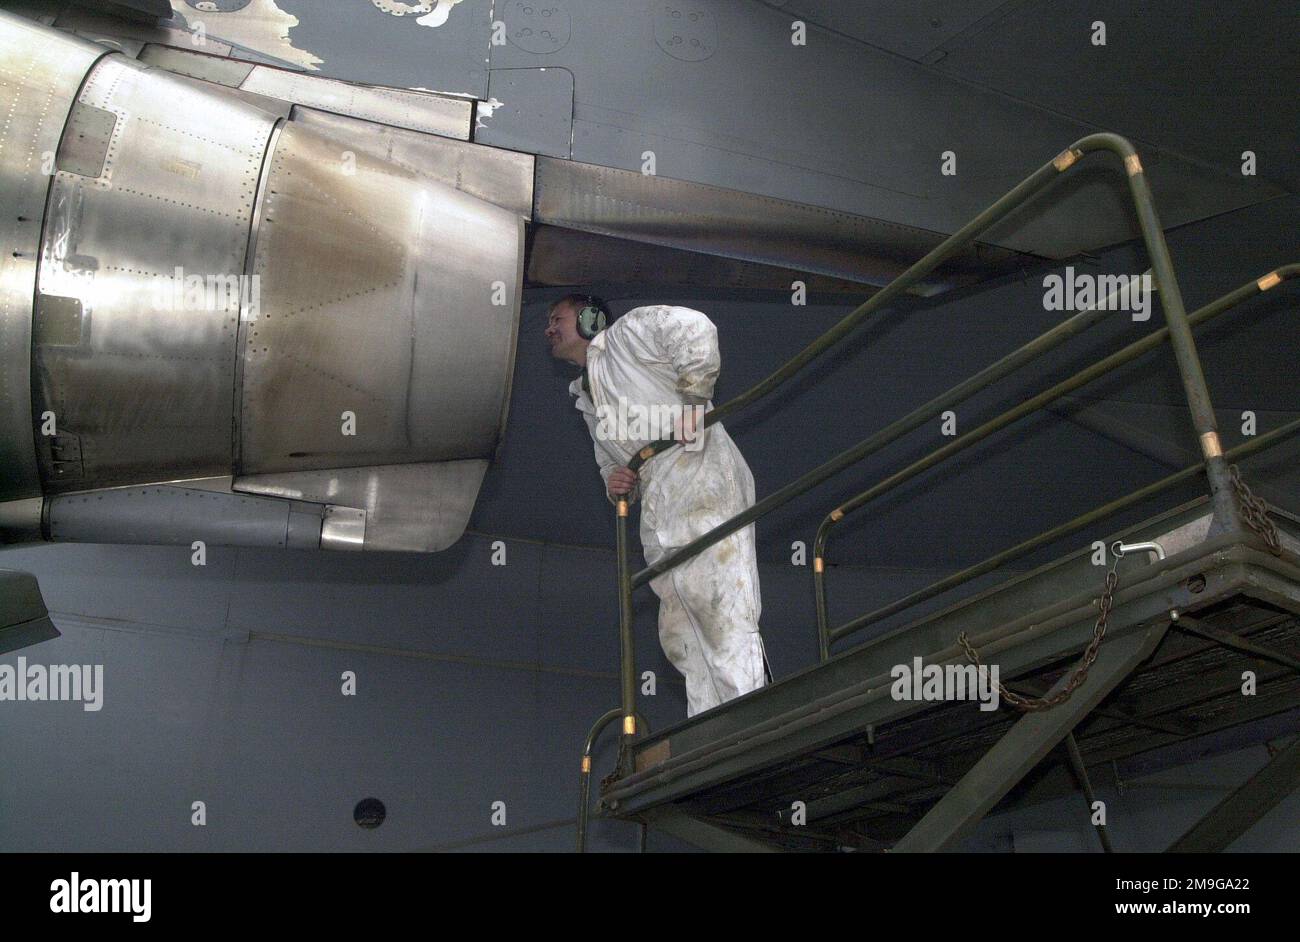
point(709, 607)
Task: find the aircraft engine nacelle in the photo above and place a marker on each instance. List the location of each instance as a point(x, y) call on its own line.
point(318, 339)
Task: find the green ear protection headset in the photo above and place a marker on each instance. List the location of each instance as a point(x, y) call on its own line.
point(592, 318)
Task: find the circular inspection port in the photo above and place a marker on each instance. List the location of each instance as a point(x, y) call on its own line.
point(369, 813)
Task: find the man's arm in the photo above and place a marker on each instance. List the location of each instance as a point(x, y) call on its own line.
point(689, 341)
point(612, 467)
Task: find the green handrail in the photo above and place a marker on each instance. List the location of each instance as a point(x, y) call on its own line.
point(1179, 333)
point(826, 636)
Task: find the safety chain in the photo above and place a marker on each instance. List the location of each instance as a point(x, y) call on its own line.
point(1038, 704)
point(1255, 512)
point(623, 766)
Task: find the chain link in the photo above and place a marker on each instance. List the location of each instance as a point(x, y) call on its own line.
point(1255, 512)
point(1037, 704)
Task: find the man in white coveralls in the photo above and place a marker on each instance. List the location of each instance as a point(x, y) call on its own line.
point(649, 375)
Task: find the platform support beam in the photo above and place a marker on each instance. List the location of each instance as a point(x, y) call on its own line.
point(1235, 815)
point(1032, 737)
point(704, 834)
point(1085, 784)
point(1236, 642)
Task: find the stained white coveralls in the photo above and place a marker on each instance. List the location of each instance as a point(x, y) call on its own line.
point(709, 607)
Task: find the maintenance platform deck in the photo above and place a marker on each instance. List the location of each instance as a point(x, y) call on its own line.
point(873, 772)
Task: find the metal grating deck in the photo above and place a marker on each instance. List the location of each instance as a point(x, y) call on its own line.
point(869, 768)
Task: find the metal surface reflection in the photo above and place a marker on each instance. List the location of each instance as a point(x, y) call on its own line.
point(221, 292)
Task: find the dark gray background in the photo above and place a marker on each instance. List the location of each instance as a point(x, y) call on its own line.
point(477, 683)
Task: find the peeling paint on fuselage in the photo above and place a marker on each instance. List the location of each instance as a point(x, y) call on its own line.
point(435, 91)
point(435, 12)
point(398, 8)
point(261, 25)
point(439, 14)
point(484, 110)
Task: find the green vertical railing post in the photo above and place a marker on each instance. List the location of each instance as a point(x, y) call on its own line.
point(627, 650)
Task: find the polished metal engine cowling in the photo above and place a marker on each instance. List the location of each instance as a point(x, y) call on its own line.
point(40, 72)
point(395, 315)
point(146, 232)
point(224, 293)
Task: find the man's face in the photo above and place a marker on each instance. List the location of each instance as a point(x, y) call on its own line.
point(562, 334)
